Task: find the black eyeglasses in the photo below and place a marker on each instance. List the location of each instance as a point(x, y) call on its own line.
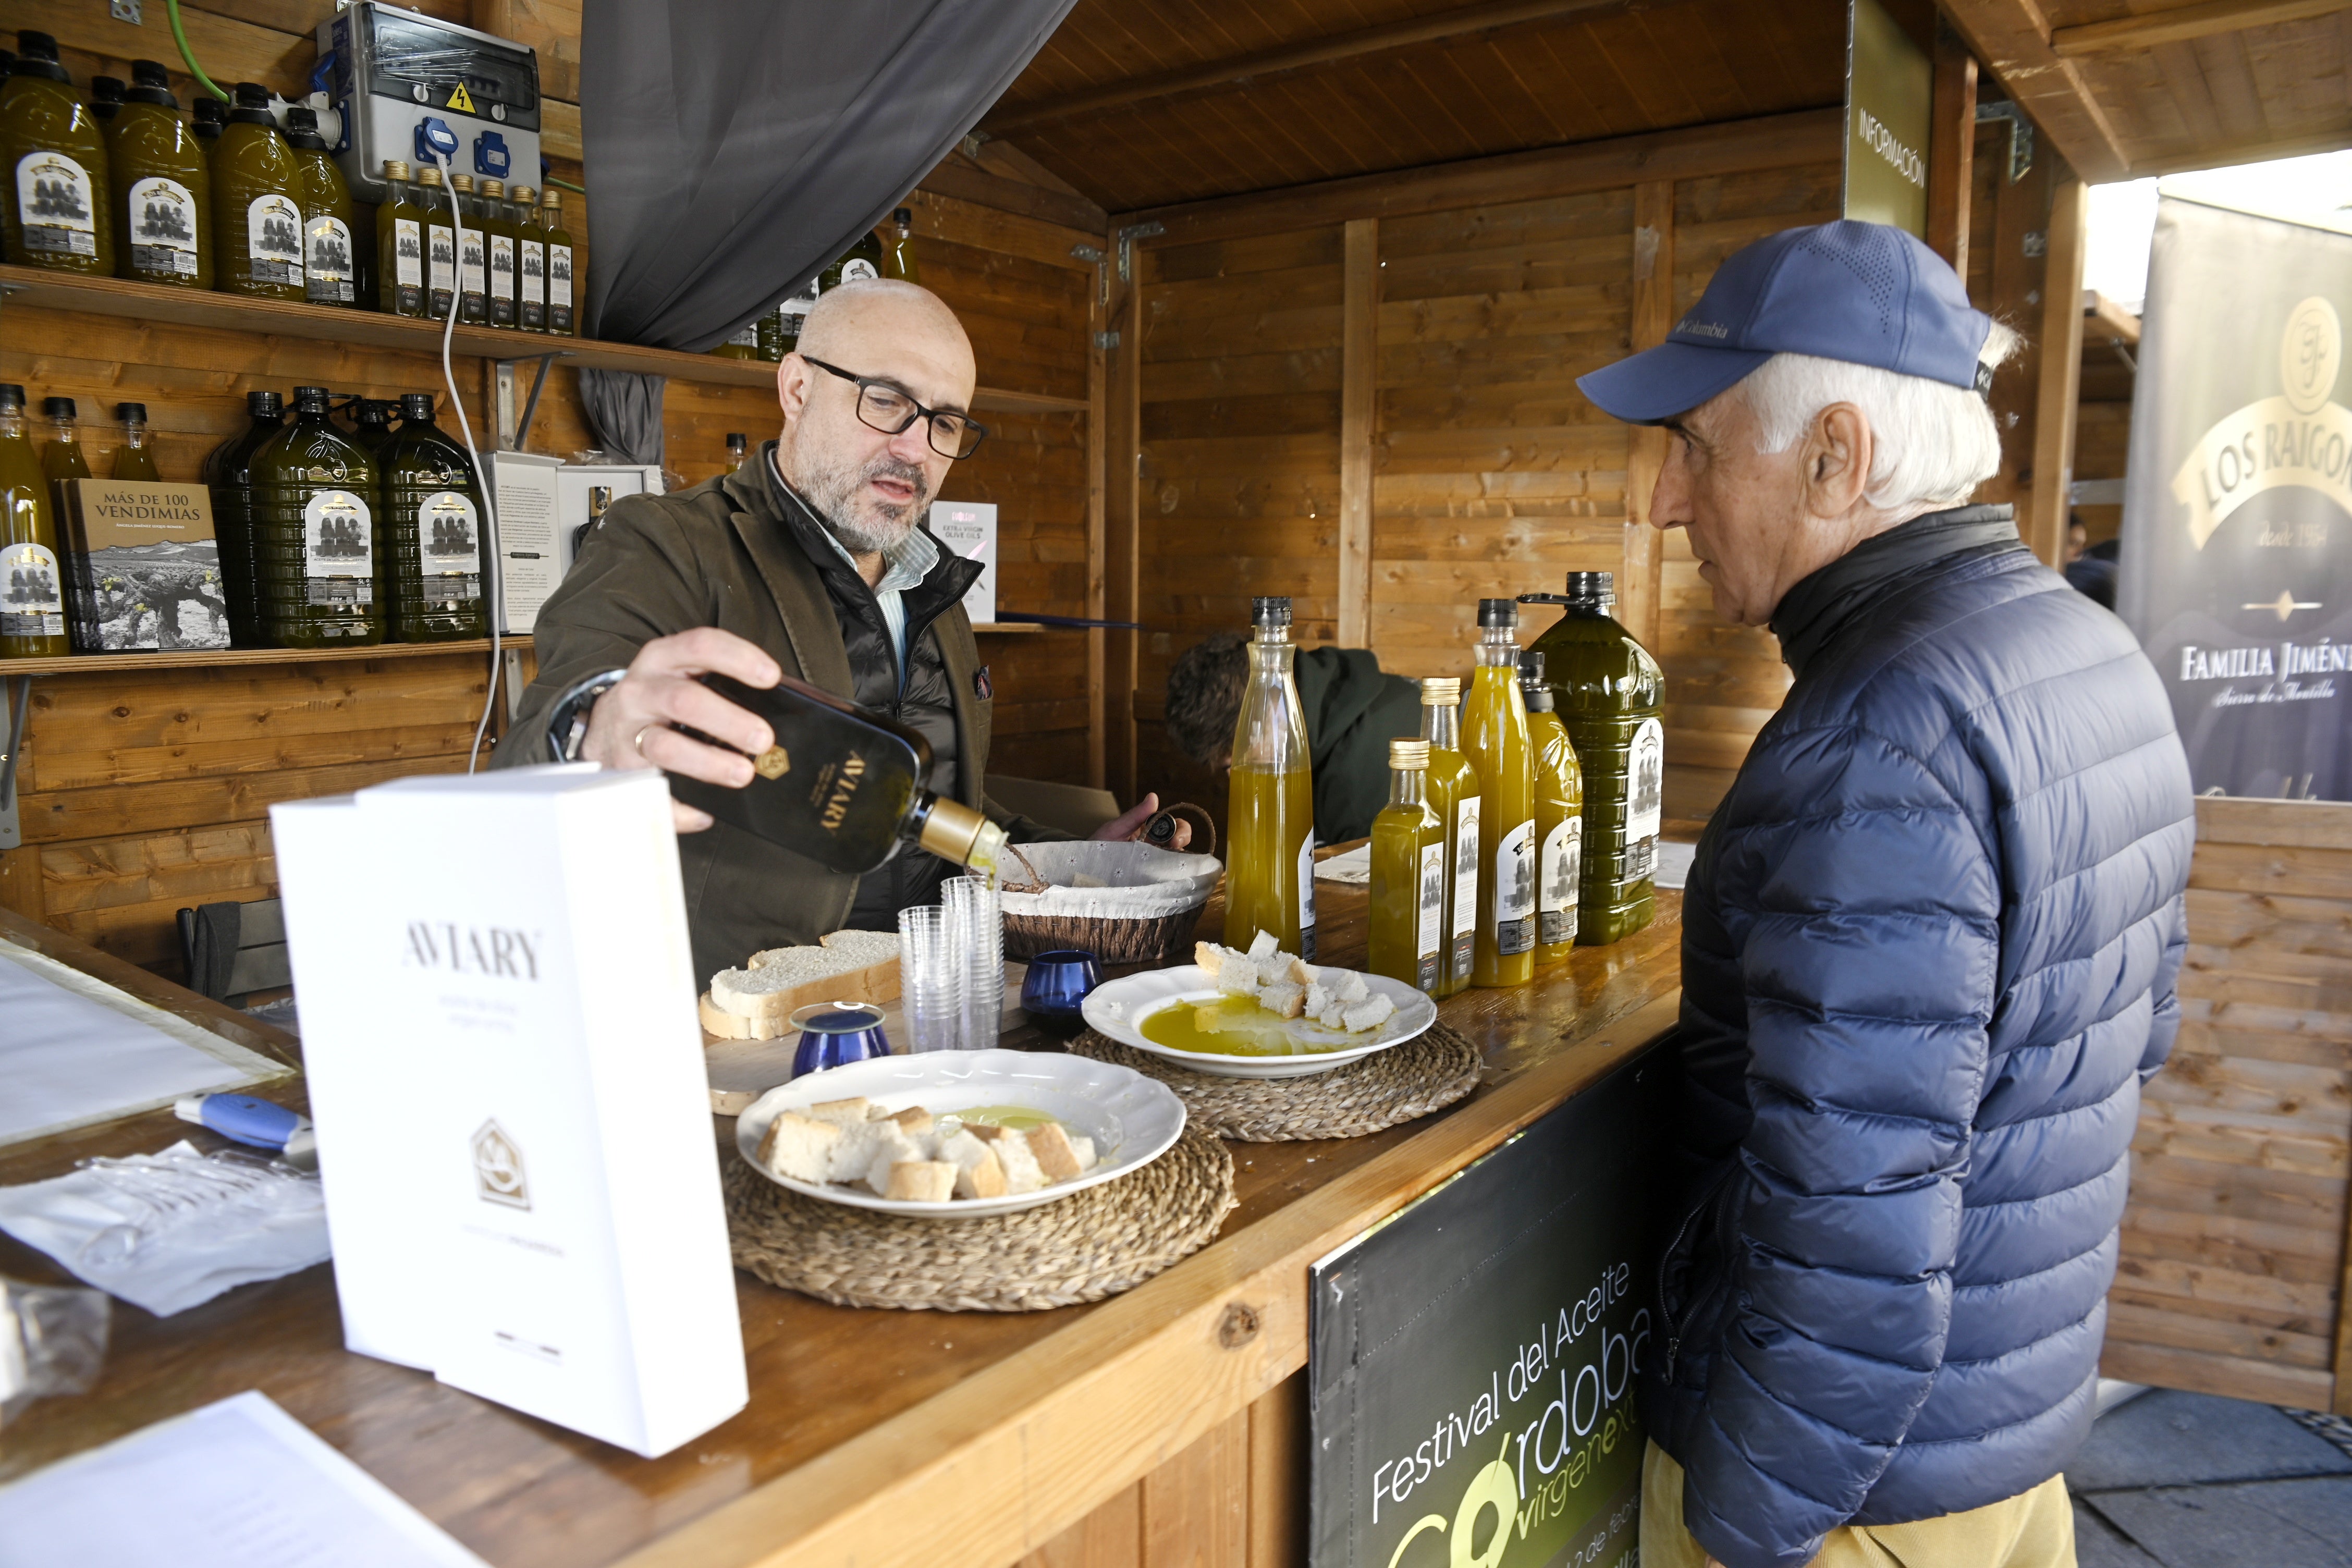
point(881, 406)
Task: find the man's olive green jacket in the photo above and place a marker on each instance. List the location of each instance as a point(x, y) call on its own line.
point(719, 555)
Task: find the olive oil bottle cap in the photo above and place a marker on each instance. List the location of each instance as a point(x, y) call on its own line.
point(37, 55)
point(131, 413)
point(522, 194)
point(462, 183)
point(397, 169)
point(1270, 611)
point(211, 114)
point(1498, 612)
point(1591, 588)
point(494, 188)
point(106, 96)
point(1441, 691)
point(150, 83)
point(302, 130)
point(12, 397)
point(550, 198)
point(417, 406)
point(954, 831)
point(312, 399)
point(1532, 684)
point(1408, 756)
point(58, 407)
point(263, 405)
point(430, 176)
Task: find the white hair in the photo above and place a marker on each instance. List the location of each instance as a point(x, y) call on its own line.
point(1935, 442)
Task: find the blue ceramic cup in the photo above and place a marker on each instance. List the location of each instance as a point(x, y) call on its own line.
point(1057, 982)
point(834, 1033)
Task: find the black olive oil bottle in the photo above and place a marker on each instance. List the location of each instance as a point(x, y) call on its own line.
point(228, 474)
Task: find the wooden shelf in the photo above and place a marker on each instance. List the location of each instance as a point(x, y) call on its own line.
point(372, 329)
point(212, 657)
point(1005, 628)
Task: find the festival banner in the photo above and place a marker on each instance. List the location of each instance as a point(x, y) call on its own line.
point(2236, 571)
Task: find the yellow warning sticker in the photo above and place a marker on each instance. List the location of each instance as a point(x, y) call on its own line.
point(460, 100)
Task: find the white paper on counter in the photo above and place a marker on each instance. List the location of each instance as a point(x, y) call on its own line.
point(75, 1051)
point(238, 1484)
point(1354, 867)
point(1674, 863)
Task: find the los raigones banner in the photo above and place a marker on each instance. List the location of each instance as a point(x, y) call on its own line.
point(2237, 547)
point(1474, 1359)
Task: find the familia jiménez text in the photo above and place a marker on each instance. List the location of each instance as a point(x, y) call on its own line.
point(1540, 1369)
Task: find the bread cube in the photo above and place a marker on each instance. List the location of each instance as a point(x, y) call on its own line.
point(921, 1180)
point(1051, 1145)
point(1350, 987)
point(1283, 1001)
point(848, 1112)
point(1366, 1014)
point(1238, 975)
point(1315, 1000)
point(1022, 1172)
point(1264, 945)
point(986, 1131)
point(799, 1146)
point(978, 1172)
point(914, 1122)
point(1208, 955)
point(891, 1147)
point(1084, 1147)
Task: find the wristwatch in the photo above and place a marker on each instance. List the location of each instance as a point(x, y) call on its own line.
point(567, 726)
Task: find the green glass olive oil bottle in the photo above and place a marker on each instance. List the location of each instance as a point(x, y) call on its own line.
point(32, 576)
point(473, 256)
point(1409, 855)
point(432, 521)
point(560, 320)
point(1495, 738)
point(316, 548)
point(399, 246)
point(1270, 797)
point(1611, 698)
point(501, 245)
point(531, 262)
point(257, 203)
point(1559, 816)
point(1457, 795)
point(134, 459)
point(899, 261)
point(228, 474)
point(440, 244)
point(163, 186)
point(331, 253)
point(60, 211)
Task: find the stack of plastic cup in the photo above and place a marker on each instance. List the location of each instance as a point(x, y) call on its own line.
point(976, 933)
point(930, 970)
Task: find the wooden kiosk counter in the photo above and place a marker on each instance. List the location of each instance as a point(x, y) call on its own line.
point(1164, 1426)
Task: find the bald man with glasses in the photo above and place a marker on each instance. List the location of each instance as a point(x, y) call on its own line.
point(811, 560)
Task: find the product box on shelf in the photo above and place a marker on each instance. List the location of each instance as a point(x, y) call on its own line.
point(542, 505)
point(969, 529)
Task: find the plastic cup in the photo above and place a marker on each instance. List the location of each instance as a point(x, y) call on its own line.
point(929, 980)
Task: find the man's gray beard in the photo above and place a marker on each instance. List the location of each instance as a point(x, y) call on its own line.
point(832, 494)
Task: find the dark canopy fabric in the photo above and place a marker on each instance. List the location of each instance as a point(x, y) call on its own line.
point(734, 147)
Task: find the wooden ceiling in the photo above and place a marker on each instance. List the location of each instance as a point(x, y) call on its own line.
point(1146, 105)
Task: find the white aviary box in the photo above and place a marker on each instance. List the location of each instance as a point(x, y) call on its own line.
point(498, 1017)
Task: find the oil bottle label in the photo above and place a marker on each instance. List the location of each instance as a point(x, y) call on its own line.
point(339, 549)
point(163, 223)
point(328, 262)
point(60, 211)
point(533, 262)
point(33, 603)
point(408, 253)
point(1515, 889)
point(1430, 941)
point(1465, 884)
point(503, 267)
point(451, 533)
point(794, 310)
point(1557, 868)
point(856, 269)
point(444, 260)
point(471, 278)
point(1306, 895)
point(745, 337)
point(1645, 782)
point(273, 240)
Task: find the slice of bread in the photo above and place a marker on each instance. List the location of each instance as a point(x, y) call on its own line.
point(769, 994)
point(920, 1181)
point(863, 947)
point(1050, 1145)
point(799, 1147)
point(726, 1025)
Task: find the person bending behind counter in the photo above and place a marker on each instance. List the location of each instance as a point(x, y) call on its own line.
point(810, 561)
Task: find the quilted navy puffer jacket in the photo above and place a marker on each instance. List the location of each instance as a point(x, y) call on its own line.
point(1929, 958)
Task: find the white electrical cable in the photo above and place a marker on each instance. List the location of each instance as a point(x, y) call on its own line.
point(488, 542)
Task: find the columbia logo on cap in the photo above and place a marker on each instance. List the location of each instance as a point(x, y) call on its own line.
point(1703, 329)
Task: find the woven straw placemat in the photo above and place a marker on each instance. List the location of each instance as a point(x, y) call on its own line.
point(1422, 1075)
point(1080, 1249)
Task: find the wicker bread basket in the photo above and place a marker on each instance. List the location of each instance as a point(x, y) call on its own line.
point(1123, 902)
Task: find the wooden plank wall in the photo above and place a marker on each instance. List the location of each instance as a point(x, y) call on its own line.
point(148, 792)
point(2232, 1279)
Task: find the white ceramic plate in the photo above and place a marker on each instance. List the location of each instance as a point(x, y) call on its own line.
point(1117, 1007)
point(1132, 1119)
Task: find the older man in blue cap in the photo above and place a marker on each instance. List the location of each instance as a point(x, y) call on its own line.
point(1929, 946)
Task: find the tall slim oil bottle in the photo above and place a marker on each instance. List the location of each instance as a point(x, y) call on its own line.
point(899, 262)
point(32, 576)
point(60, 212)
point(163, 186)
point(62, 459)
point(1409, 856)
point(399, 246)
point(1270, 802)
point(1610, 697)
point(504, 246)
point(530, 261)
point(134, 459)
point(473, 256)
point(440, 244)
point(560, 319)
point(228, 474)
point(1453, 789)
point(257, 203)
point(1495, 738)
point(317, 554)
point(432, 521)
point(1559, 816)
point(331, 251)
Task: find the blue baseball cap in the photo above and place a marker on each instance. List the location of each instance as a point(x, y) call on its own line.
point(1867, 293)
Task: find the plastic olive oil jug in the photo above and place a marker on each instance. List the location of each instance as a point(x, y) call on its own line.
point(1495, 738)
point(1610, 697)
point(317, 550)
point(228, 474)
point(257, 203)
point(432, 522)
point(60, 210)
point(331, 252)
point(1559, 816)
point(163, 186)
point(1452, 790)
point(1409, 855)
point(1270, 802)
